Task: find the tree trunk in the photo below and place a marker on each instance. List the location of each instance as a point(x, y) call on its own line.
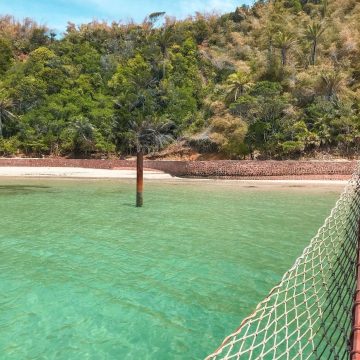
point(164, 62)
point(283, 56)
point(236, 93)
point(139, 178)
point(1, 132)
point(313, 55)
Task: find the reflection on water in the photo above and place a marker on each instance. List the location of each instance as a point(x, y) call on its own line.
point(21, 189)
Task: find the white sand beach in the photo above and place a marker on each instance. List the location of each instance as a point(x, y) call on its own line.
point(90, 173)
point(74, 172)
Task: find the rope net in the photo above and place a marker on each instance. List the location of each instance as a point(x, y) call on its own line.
point(308, 315)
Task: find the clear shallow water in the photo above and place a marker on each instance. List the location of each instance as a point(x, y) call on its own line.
point(86, 275)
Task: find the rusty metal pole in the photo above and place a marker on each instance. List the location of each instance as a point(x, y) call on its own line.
point(355, 336)
point(139, 178)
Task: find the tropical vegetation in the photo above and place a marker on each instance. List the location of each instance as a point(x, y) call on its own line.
point(280, 79)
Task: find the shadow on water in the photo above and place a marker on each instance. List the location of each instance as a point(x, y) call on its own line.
point(22, 189)
point(129, 205)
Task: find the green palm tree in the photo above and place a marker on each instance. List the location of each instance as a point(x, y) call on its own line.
point(237, 83)
point(155, 16)
point(313, 33)
point(324, 8)
point(165, 38)
point(84, 136)
point(6, 105)
point(331, 84)
point(284, 42)
point(148, 136)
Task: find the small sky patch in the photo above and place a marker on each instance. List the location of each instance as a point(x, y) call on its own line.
point(56, 13)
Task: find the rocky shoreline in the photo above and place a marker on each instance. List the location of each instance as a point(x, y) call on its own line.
point(226, 169)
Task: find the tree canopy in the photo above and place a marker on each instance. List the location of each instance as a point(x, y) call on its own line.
point(280, 79)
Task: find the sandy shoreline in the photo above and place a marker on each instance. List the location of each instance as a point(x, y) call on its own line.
point(89, 173)
point(74, 172)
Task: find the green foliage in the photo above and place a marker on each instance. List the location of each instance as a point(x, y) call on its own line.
point(7, 117)
point(280, 79)
point(292, 148)
point(6, 56)
point(295, 5)
point(313, 33)
point(9, 146)
point(229, 134)
point(237, 84)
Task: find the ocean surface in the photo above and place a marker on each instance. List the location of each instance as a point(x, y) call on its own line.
point(86, 275)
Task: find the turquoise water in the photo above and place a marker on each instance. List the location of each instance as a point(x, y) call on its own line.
point(86, 275)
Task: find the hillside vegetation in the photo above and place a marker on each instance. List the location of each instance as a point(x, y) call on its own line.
point(278, 80)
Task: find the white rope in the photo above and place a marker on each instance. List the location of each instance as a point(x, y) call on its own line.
point(308, 314)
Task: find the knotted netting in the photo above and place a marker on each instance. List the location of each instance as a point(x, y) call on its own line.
point(308, 315)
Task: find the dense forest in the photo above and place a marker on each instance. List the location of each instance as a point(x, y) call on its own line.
point(280, 79)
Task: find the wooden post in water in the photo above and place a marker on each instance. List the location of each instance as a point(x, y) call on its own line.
point(355, 336)
point(139, 178)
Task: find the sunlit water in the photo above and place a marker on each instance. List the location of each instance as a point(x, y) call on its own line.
point(86, 275)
